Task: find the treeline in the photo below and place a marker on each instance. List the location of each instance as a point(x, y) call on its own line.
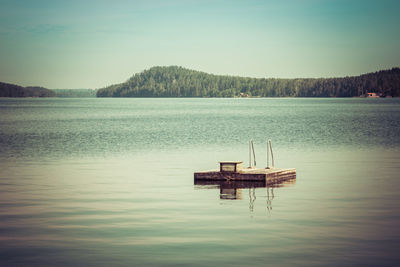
point(176, 81)
point(75, 92)
point(12, 90)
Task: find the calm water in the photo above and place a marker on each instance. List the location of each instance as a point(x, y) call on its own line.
point(110, 182)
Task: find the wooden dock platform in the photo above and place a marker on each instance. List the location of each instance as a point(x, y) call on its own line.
point(269, 176)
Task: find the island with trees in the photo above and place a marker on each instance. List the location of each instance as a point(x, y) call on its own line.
point(13, 90)
point(174, 81)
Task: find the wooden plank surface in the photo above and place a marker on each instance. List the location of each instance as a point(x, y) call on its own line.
point(270, 176)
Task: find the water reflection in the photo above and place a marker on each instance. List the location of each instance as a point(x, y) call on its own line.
point(270, 197)
point(233, 190)
point(230, 193)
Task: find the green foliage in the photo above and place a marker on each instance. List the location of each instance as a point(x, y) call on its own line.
point(12, 90)
point(75, 92)
point(176, 81)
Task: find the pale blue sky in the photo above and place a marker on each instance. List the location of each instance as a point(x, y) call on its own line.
point(92, 44)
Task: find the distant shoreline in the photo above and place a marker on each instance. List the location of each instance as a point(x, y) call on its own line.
point(178, 82)
point(174, 81)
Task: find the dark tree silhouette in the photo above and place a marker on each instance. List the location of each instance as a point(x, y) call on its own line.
point(12, 90)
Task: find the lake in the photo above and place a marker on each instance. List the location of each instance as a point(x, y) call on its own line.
point(109, 182)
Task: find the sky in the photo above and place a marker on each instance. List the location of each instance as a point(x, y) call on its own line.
point(93, 44)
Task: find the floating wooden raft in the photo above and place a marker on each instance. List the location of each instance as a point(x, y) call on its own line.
point(233, 171)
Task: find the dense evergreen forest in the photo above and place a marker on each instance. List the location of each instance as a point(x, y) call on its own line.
point(75, 92)
point(176, 81)
point(12, 90)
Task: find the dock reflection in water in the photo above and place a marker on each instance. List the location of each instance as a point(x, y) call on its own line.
point(233, 190)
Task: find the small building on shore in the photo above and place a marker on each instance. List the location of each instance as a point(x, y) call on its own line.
point(372, 95)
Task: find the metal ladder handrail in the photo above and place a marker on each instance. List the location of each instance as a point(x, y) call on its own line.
point(251, 149)
point(269, 150)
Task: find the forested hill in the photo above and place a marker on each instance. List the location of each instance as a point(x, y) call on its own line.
point(12, 90)
point(176, 81)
